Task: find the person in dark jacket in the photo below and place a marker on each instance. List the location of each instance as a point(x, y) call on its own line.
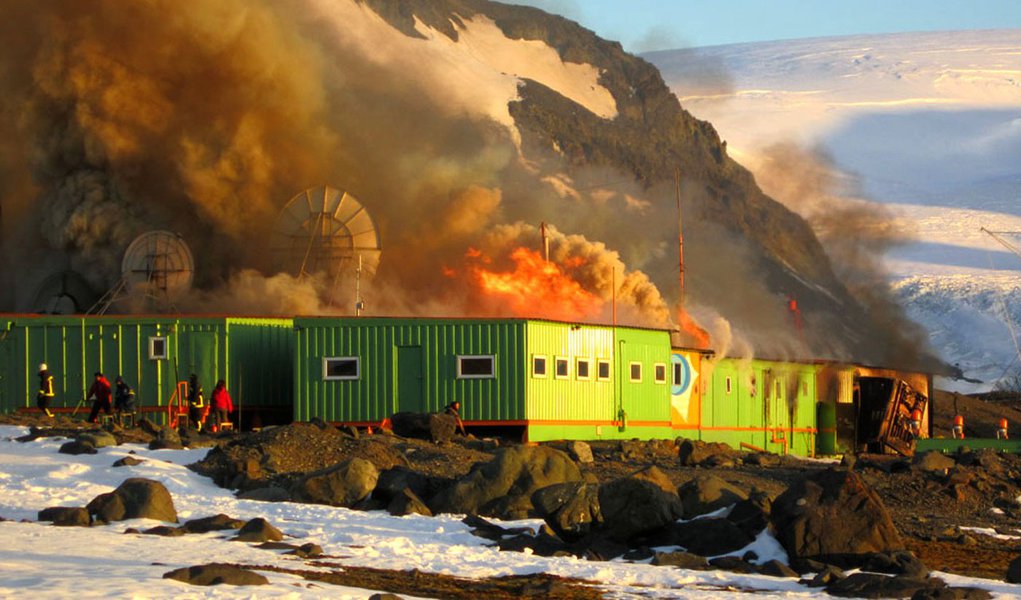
point(196, 403)
point(454, 409)
point(100, 393)
point(123, 397)
point(45, 396)
point(221, 404)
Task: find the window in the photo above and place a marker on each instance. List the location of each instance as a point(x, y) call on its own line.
point(158, 348)
point(603, 370)
point(476, 367)
point(636, 372)
point(659, 370)
point(582, 368)
point(538, 366)
point(677, 373)
point(728, 385)
point(341, 368)
point(563, 368)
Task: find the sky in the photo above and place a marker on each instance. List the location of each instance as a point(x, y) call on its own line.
point(646, 25)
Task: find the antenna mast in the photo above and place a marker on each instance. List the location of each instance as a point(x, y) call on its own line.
point(680, 236)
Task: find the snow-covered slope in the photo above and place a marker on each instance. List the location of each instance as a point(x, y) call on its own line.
point(928, 124)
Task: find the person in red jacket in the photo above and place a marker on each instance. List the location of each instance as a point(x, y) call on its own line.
point(221, 404)
point(100, 393)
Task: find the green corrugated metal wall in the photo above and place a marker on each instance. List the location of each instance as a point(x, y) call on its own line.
point(407, 365)
point(764, 404)
point(74, 347)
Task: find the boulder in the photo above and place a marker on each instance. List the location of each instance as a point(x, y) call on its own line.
point(503, 487)
point(775, 568)
point(1013, 570)
point(933, 461)
point(307, 550)
point(218, 522)
point(734, 564)
point(691, 453)
point(902, 562)
point(146, 499)
point(580, 452)
point(683, 560)
point(952, 593)
point(707, 493)
point(436, 427)
point(825, 576)
point(345, 484)
point(65, 516)
point(216, 574)
point(258, 530)
point(128, 461)
point(804, 515)
point(107, 508)
point(634, 507)
point(570, 509)
point(656, 477)
point(148, 426)
point(392, 483)
point(166, 438)
point(871, 585)
point(751, 515)
point(708, 537)
point(99, 438)
point(165, 531)
point(266, 494)
point(408, 503)
point(76, 447)
point(761, 459)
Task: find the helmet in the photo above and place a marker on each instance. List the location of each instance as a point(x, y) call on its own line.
point(42, 366)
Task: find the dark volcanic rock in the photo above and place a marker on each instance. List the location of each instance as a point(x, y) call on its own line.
point(345, 484)
point(683, 560)
point(75, 447)
point(165, 531)
point(135, 498)
point(408, 503)
point(1014, 571)
point(871, 585)
point(804, 515)
point(218, 522)
point(392, 483)
point(752, 513)
point(580, 451)
point(504, 486)
point(708, 537)
point(775, 568)
point(128, 461)
point(65, 516)
point(216, 574)
point(633, 507)
point(570, 509)
point(266, 494)
point(691, 453)
point(258, 530)
point(426, 426)
point(707, 493)
point(98, 438)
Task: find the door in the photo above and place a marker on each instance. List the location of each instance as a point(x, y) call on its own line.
point(410, 383)
point(202, 360)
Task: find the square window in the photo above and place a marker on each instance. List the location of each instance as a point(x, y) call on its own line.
point(582, 368)
point(476, 367)
point(636, 372)
point(563, 368)
point(659, 371)
point(158, 348)
point(603, 370)
point(341, 368)
point(538, 366)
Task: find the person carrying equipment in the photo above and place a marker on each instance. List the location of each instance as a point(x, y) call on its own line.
point(44, 398)
point(915, 423)
point(100, 393)
point(1001, 433)
point(957, 431)
point(196, 403)
point(221, 405)
point(454, 408)
point(123, 398)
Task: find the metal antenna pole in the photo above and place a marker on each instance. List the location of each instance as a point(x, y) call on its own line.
point(680, 236)
point(358, 288)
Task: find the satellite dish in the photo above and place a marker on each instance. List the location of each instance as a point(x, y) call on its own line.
point(62, 293)
point(326, 231)
point(159, 265)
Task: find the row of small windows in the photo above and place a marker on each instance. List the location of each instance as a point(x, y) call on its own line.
point(583, 369)
point(347, 368)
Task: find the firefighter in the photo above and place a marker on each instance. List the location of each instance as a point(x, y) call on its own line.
point(1001, 433)
point(123, 398)
point(454, 409)
point(44, 398)
point(957, 431)
point(100, 393)
point(196, 402)
point(221, 405)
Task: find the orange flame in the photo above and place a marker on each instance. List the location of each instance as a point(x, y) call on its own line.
point(536, 288)
point(697, 337)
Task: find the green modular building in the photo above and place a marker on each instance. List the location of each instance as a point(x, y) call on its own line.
point(553, 380)
point(253, 355)
point(760, 405)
